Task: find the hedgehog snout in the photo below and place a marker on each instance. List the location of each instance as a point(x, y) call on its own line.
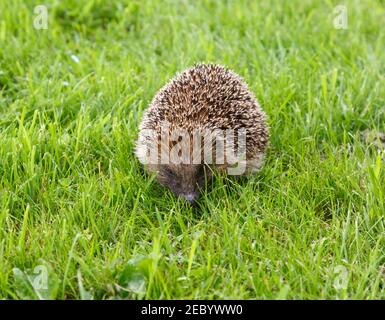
point(190, 197)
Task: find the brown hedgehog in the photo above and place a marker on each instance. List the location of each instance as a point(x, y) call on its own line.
point(205, 118)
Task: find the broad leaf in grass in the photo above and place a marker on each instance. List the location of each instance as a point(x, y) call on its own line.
point(41, 283)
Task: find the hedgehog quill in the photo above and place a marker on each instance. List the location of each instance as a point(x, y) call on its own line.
point(204, 119)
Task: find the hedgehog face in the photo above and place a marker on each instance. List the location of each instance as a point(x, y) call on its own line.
point(184, 180)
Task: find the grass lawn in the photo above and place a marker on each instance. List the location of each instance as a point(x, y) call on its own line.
point(80, 219)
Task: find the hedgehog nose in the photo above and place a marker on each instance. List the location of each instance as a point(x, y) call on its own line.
point(191, 197)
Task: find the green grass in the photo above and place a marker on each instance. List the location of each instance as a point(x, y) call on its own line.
point(75, 201)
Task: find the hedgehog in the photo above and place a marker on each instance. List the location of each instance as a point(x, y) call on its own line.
point(204, 119)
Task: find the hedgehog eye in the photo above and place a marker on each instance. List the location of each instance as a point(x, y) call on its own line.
point(201, 171)
point(201, 176)
point(204, 171)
